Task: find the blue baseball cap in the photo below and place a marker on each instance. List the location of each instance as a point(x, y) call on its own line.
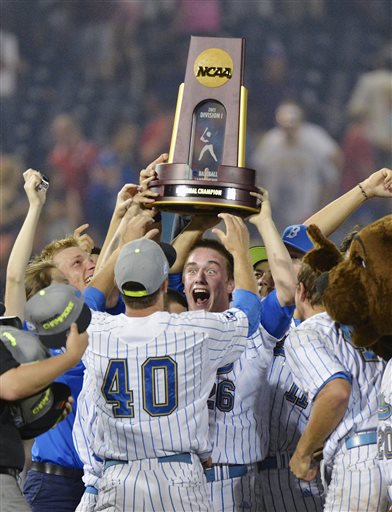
point(296, 237)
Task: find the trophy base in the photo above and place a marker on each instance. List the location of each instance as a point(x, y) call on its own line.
point(179, 193)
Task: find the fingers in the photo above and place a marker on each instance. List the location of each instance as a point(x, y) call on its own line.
point(32, 179)
point(73, 329)
point(262, 194)
point(149, 171)
point(152, 233)
point(160, 160)
point(77, 232)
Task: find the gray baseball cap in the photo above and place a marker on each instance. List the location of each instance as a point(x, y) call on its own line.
point(51, 311)
point(142, 267)
point(35, 414)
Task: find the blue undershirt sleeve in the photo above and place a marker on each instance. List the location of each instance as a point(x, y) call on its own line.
point(94, 299)
point(250, 304)
point(275, 318)
point(338, 375)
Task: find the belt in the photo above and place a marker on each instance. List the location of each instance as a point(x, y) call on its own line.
point(90, 489)
point(9, 471)
point(268, 463)
point(56, 469)
point(178, 457)
point(223, 471)
point(278, 461)
point(361, 438)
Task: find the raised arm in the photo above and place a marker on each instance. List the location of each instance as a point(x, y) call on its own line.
point(192, 232)
point(15, 296)
point(279, 260)
point(329, 218)
point(136, 227)
point(236, 241)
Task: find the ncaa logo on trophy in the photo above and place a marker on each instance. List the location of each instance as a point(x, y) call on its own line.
point(206, 166)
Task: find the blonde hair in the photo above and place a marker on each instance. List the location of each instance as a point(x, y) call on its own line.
point(56, 246)
point(38, 275)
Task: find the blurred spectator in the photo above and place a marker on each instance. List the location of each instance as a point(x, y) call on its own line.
point(12, 206)
point(106, 181)
point(201, 17)
point(271, 85)
point(10, 65)
point(358, 153)
point(372, 97)
point(156, 135)
point(72, 156)
point(298, 163)
point(95, 41)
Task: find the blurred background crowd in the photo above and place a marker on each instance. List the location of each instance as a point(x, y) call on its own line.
point(88, 92)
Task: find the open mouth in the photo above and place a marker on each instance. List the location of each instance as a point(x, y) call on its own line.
point(88, 280)
point(200, 296)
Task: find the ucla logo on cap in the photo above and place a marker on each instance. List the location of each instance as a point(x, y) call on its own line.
point(293, 232)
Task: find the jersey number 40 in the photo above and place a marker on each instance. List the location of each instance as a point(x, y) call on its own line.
point(159, 381)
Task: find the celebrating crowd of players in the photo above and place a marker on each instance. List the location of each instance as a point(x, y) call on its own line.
point(234, 403)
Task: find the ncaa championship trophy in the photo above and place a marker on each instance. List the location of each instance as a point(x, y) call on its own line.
point(206, 166)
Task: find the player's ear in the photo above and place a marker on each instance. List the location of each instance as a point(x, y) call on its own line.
point(230, 286)
point(301, 291)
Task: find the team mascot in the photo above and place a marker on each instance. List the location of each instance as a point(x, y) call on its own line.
point(357, 289)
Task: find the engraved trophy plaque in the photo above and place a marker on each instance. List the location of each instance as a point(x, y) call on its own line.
point(206, 165)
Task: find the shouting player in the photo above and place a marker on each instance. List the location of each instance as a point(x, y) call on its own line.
point(153, 372)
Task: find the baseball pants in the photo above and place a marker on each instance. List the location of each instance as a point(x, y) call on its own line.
point(356, 483)
point(283, 492)
point(234, 488)
point(150, 485)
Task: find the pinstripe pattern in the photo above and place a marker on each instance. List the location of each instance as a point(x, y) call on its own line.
point(384, 430)
point(203, 341)
point(154, 487)
point(84, 431)
point(234, 494)
point(240, 435)
point(316, 350)
point(356, 483)
point(289, 413)
point(198, 343)
point(87, 503)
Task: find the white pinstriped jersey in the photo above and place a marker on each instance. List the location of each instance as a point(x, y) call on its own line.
point(153, 376)
point(318, 349)
point(384, 430)
point(289, 405)
point(238, 405)
point(84, 431)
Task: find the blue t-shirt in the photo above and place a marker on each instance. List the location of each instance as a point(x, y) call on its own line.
point(56, 445)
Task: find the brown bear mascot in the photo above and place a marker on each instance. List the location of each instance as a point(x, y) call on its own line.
point(357, 290)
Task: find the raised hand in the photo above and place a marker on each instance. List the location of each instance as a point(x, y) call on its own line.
point(32, 180)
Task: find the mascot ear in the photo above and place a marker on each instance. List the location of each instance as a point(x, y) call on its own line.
point(325, 254)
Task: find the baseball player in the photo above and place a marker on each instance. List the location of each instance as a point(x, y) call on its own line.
point(239, 399)
point(384, 429)
point(342, 382)
point(288, 415)
point(153, 373)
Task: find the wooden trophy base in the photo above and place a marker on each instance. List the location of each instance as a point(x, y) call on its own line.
point(228, 192)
